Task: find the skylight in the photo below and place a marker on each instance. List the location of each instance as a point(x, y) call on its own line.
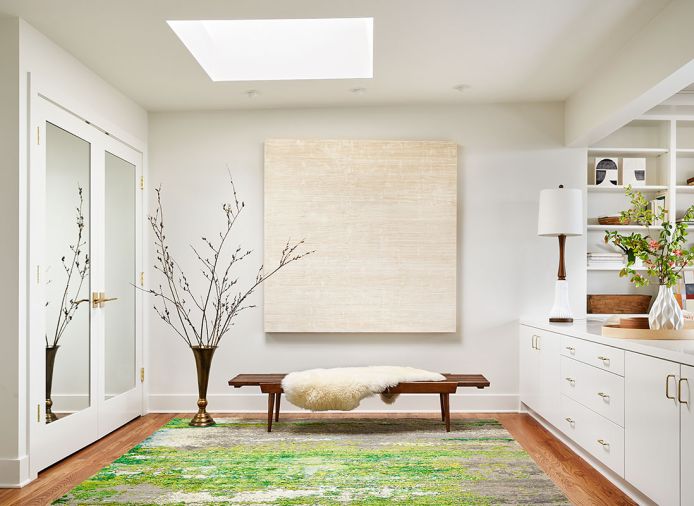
point(280, 49)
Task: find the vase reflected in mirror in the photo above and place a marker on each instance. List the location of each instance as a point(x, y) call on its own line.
point(50, 363)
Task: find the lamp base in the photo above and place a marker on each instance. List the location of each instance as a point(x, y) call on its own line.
point(561, 310)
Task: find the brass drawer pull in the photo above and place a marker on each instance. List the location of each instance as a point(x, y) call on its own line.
point(604, 443)
point(571, 381)
point(679, 391)
point(533, 343)
point(570, 420)
point(605, 360)
point(604, 396)
point(571, 349)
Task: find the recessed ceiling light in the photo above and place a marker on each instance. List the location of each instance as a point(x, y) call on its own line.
point(358, 91)
point(461, 87)
point(280, 49)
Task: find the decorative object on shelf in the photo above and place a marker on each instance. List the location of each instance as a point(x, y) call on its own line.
point(637, 322)
point(560, 215)
point(612, 220)
point(664, 258)
point(690, 181)
point(606, 171)
point(76, 271)
point(219, 303)
point(634, 171)
point(618, 304)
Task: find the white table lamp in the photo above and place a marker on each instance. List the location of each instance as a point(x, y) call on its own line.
point(561, 215)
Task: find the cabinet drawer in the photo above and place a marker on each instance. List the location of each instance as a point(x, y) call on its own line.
point(598, 355)
point(598, 390)
point(598, 436)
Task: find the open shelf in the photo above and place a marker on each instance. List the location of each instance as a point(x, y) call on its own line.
point(635, 228)
point(685, 189)
point(626, 151)
point(594, 188)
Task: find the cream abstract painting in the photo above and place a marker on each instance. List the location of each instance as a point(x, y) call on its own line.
point(381, 217)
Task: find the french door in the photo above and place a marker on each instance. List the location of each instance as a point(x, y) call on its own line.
point(85, 345)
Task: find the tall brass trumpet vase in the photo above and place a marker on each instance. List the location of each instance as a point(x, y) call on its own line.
point(50, 362)
point(203, 361)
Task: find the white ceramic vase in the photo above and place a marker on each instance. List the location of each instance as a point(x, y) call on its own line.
point(665, 312)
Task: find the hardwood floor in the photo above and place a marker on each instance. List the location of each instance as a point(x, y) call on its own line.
point(580, 482)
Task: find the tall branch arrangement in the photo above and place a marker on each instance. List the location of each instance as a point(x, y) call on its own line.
point(202, 320)
point(76, 269)
point(664, 258)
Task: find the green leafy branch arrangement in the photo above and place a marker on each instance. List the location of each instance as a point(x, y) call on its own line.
point(663, 258)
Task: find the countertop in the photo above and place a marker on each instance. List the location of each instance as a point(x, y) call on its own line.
point(681, 351)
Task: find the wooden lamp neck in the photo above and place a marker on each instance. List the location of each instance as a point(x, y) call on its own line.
point(561, 274)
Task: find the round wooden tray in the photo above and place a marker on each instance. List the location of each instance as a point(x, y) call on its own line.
point(631, 333)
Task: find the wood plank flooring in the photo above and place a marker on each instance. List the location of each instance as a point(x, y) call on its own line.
point(578, 480)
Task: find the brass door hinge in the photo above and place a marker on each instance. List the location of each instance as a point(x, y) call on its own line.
point(142, 375)
point(38, 274)
point(38, 413)
point(142, 182)
point(38, 135)
point(142, 279)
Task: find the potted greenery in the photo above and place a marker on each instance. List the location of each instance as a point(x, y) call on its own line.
point(663, 258)
point(202, 320)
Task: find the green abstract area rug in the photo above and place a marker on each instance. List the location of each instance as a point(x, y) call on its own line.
point(312, 462)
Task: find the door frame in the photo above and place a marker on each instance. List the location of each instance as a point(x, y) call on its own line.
point(87, 426)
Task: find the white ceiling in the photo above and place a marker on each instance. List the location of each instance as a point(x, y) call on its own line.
point(505, 50)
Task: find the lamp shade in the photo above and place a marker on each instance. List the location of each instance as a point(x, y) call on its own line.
point(561, 212)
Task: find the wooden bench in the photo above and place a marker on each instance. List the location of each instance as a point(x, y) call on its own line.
point(271, 384)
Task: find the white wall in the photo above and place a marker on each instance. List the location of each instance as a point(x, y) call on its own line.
point(507, 154)
point(11, 356)
point(25, 52)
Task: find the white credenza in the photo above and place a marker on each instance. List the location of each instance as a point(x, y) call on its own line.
point(625, 403)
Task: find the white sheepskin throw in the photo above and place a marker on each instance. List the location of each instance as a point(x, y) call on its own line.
point(343, 388)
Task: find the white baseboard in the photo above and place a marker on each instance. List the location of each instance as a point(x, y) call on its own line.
point(406, 403)
point(616, 480)
point(14, 473)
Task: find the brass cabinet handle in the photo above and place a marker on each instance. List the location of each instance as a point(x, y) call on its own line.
point(604, 396)
point(605, 360)
point(532, 344)
point(571, 381)
point(536, 342)
point(571, 349)
point(679, 390)
point(667, 386)
point(570, 420)
point(604, 443)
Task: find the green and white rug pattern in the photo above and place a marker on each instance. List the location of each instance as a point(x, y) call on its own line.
point(317, 462)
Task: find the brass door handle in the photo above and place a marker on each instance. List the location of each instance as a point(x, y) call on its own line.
point(99, 299)
point(667, 386)
point(679, 390)
point(604, 443)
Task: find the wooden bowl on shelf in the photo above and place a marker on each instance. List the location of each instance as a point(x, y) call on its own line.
point(618, 304)
point(612, 220)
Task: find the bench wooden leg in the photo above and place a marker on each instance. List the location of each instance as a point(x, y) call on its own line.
point(447, 411)
point(443, 410)
point(277, 406)
point(270, 409)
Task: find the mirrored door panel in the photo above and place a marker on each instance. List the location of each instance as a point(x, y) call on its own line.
point(120, 276)
point(66, 273)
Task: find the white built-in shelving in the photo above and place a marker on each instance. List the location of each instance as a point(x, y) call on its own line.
point(667, 144)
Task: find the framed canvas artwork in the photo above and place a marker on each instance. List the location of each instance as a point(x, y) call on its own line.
point(381, 217)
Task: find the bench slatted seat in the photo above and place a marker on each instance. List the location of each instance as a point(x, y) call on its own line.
point(271, 384)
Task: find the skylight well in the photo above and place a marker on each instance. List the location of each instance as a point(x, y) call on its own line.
point(280, 49)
